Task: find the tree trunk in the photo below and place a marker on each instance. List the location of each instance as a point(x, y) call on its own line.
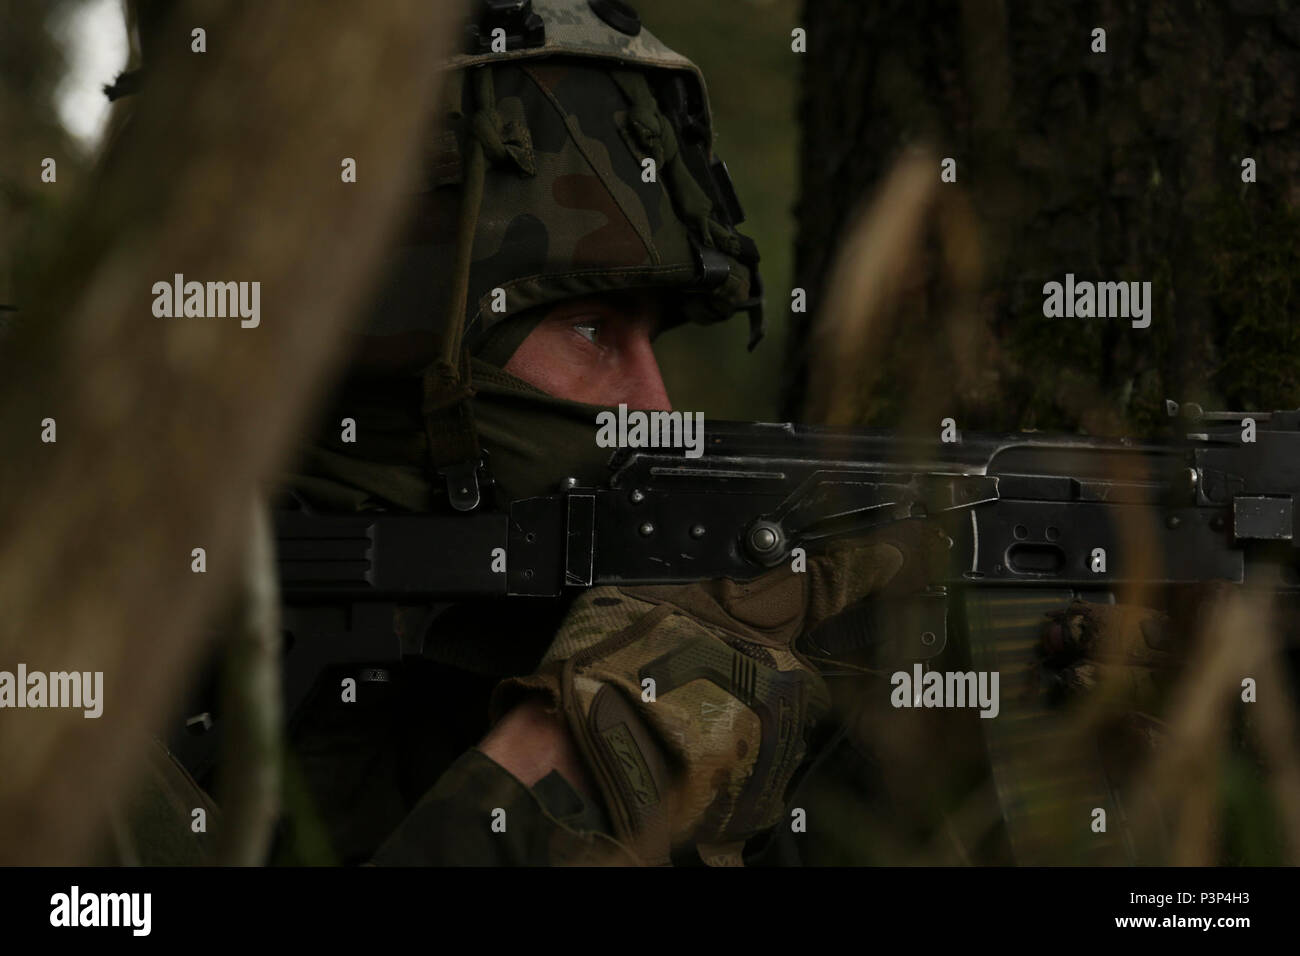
point(1122, 165)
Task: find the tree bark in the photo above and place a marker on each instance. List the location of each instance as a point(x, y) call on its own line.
point(1122, 165)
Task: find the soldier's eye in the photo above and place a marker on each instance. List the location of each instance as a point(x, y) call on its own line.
point(588, 330)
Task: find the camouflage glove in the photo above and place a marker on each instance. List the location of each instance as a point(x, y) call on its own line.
point(689, 703)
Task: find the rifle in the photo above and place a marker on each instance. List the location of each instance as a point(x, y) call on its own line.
point(1048, 513)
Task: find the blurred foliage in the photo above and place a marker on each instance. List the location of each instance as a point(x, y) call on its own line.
point(178, 425)
point(743, 47)
point(32, 62)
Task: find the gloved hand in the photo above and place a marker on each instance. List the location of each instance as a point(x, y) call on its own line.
point(1122, 658)
point(689, 703)
point(1123, 647)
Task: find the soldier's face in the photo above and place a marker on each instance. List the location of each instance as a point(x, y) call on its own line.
point(598, 351)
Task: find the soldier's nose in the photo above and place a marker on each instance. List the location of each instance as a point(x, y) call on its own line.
point(644, 380)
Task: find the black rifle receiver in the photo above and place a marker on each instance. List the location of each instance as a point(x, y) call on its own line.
point(1022, 509)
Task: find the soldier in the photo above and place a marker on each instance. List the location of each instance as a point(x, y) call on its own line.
point(575, 210)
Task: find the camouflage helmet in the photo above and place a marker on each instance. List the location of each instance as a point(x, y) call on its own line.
point(597, 174)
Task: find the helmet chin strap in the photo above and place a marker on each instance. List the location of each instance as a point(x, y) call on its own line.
point(454, 451)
